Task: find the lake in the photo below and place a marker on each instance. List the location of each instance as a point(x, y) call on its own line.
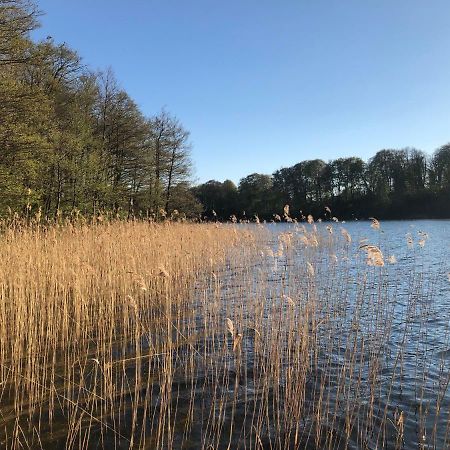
point(377, 371)
point(403, 318)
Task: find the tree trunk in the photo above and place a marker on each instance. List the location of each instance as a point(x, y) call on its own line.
point(169, 181)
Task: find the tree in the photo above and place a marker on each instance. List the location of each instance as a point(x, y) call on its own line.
point(222, 198)
point(184, 202)
point(416, 170)
point(179, 164)
point(24, 112)
point(17, 19)
point(256, 195)
point(348, 177)
point(440, 168)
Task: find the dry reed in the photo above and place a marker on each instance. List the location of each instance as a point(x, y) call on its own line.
point(138, 335)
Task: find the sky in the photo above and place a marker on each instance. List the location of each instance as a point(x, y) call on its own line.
point(265, 84)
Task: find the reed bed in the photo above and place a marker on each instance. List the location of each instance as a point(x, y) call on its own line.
point(188, 336)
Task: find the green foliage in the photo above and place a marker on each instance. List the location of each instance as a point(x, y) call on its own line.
point(74, 140)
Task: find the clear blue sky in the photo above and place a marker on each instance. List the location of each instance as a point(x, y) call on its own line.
point(265, 84)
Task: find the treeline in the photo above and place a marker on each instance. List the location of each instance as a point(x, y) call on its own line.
point(394, 184)
point(74, 140)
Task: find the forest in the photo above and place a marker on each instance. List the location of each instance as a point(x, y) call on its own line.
point(72, 141)
point(394, 184)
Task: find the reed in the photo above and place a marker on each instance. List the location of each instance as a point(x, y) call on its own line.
point(177, 335)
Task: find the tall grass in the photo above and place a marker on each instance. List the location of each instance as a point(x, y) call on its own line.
point(138, 335)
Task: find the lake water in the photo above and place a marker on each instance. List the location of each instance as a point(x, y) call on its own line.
point(412, 347)
point(379, 373)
